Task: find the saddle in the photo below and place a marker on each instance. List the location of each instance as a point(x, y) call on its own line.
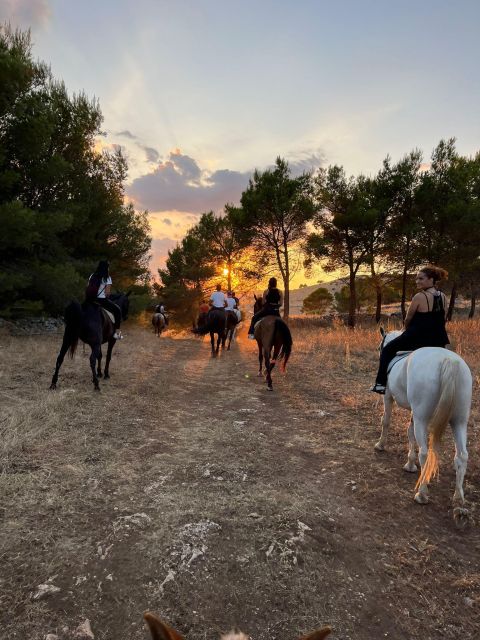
point(108, 315)
point(400, 355)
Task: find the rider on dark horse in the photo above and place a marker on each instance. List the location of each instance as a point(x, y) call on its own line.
point(272, 300)
point(98, 292)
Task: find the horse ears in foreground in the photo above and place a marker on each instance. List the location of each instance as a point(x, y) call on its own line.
point(161, 631)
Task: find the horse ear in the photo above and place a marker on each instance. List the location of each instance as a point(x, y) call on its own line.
point(158, 628)
point(383, 332)
point(128, 293)
point(255, 297)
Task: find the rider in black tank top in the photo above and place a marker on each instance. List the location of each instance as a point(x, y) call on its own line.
point(273, 299)
point(423, 328)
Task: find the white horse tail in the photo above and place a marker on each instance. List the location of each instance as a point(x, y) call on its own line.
point(441, 416)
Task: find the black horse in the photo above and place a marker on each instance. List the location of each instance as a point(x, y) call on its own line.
point(89, 323)
point(231, 325)
point(215, 323)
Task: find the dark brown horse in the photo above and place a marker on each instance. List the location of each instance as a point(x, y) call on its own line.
point(91, 324)
point(272, 333)
point(231, 325)
point(215, 323)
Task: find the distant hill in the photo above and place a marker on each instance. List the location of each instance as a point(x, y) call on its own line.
point(297, 296)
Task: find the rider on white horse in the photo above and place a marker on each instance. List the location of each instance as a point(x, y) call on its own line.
point(424, 324)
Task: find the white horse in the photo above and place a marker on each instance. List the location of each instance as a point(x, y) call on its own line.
point(436, 385)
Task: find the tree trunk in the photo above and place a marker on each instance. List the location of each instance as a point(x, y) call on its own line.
point(451, 306)
point(353, 300)
point(286, 284)
point(378, 291)
point(404, 279)
point(229, 275)
point(472, 305)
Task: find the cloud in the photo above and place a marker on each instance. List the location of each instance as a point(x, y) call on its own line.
point(25, 13)
point(126, 134)
point(306, 161)
point(180, 184)
point(151, 154)
point(167, 221)
point(159, 251)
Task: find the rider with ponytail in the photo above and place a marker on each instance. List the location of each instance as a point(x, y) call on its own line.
point(424, 323)
point(98, 291)
point(272, 300)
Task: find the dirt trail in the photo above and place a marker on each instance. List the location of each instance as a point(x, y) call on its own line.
point(185, 487)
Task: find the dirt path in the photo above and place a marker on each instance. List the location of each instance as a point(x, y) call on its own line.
point(186, 488)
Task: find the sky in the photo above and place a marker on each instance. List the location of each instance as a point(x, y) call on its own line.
point(199, 93)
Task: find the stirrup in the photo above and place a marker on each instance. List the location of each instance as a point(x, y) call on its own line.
point(378, 388)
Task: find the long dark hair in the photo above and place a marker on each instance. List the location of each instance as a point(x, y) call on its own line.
point(102, 269)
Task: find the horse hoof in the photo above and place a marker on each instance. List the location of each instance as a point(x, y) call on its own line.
point(99, 374)
point(410, 467)
point(106, 377)
point(97, 388)
point(421, 498)
point(461, 517)
point(379, 447)
point(259, 374)
point(53, 387)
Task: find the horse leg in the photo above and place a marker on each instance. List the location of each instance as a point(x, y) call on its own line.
point(212, 342)
point(421, 434)
point(268, 368)
point(260, 358)
point(230, 336)
point(460, 513)
point(93, 360)
point(106, 374)
point(410, 466)
point(387, 415)
point(99, 368)
point(60, 358)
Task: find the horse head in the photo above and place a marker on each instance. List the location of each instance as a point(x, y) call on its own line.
point(123, 301)
point(258, 304)
point(161, 631)
point(387, 336)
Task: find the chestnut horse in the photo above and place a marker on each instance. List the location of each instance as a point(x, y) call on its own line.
point(161, 631)
point(271, 333)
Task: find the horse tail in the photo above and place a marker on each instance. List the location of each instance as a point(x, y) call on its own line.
point(441, 416)
point(287, 342)
point(73, 323)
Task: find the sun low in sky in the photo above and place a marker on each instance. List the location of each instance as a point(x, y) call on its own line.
point(198, 94)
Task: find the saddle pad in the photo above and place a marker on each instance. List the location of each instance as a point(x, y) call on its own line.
point(400, 356)
point(109, 315)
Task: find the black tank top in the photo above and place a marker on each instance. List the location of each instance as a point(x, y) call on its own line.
point(428, 327)
point(273, 297)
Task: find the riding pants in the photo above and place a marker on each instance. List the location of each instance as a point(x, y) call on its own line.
point(404, 342)
point(266, 310)
point(114, 308)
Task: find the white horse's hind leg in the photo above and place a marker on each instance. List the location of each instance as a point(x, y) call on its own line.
point(410, 466)
point(460, 513)
point(387, 415)
point(421, 433)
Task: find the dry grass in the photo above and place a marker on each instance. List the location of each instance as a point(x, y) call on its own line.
point(182, 486)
